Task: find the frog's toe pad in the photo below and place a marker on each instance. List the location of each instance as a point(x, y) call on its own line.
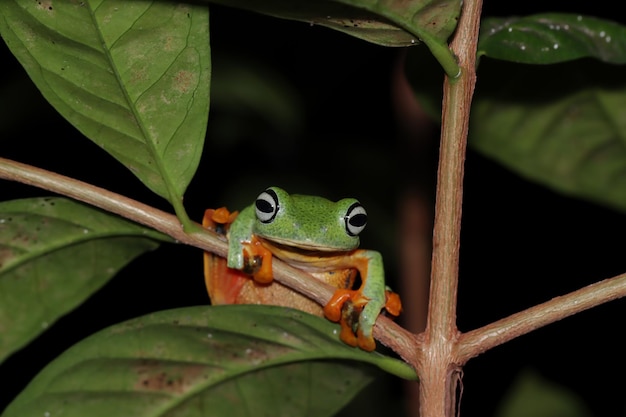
point(332, 309)
point(348, 336)
point(366, 343)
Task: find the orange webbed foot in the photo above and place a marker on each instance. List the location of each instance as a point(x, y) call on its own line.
point(218, 220)
point(345, 307)
point(332, 309)
point(258, 261)
point(366, 343)
point(393, 304)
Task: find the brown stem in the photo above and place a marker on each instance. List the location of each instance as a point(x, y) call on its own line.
point(389, 333)
point(436, 368)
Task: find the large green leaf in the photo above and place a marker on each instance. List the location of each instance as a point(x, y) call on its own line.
point(132, 76)
point(54, 253)
point(563, 125)
point(552, 37)
point(386, 23)
point(231, 361)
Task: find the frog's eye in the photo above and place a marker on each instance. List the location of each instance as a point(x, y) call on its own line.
point(356, 219)
point(267, 206)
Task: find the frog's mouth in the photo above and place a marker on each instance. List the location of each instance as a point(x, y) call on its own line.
point(310, 258)
point(283, 247)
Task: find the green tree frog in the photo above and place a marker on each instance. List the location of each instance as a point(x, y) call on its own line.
point(316, 235)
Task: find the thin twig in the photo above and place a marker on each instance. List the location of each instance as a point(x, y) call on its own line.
point(477, 341)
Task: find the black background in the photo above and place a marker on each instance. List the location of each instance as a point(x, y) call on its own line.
point(522, 243)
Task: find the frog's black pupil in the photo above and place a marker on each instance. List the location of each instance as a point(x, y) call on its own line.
point(264, 206)
point(358, 220)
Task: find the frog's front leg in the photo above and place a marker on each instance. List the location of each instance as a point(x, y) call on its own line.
point(367, 301)
point(246, 252)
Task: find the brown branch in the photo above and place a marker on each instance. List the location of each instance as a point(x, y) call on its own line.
point(477, 341)
point(386, 331)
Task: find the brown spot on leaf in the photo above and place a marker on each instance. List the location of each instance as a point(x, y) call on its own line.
point(167, 45)
point(183, 80)
point(44, 5)
point(138, 76)
point(6, 254)
point(166, 376)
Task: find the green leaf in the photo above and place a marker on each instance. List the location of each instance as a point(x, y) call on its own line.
point(54, 253)
point(552, 37)
point(131, 76)
point(532, 395)
point(380, 22)
point(561, 125)
point(235, 360)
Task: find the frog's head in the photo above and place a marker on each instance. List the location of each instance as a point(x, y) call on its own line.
point(309, 222)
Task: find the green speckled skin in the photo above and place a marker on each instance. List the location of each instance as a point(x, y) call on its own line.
point(314, 223)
